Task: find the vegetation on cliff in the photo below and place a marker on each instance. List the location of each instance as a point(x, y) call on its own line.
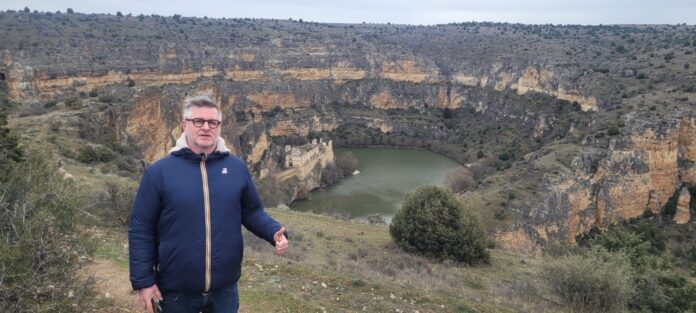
point(42, 243)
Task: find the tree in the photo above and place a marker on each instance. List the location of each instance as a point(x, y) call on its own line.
point(434, 224)
point(459, 179)
point(347, 163)
point(9, 149)
point(42, 243)
point(70, 11)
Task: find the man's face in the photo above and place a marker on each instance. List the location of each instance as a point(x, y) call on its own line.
point(201, 139)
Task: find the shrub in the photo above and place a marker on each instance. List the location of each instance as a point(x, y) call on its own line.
point(270, 191)
point(459, 179)
point(73, 103)
point(114, 204)
point(88, 155)
point(659, 286)
point(597, 282)
point(331, 174)
point(42, 246)
point(9, 150)
point(613, 130)
point(433, 223)
point(663, 291)
point(347, 163)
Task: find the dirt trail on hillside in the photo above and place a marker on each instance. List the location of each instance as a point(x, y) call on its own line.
point(112, 282)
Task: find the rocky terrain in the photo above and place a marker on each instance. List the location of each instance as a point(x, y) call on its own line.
point(585, 125)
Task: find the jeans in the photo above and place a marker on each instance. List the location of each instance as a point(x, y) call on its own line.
point(225, 300)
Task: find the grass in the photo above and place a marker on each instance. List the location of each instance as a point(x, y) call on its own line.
point(350, 266)
point(347, 266)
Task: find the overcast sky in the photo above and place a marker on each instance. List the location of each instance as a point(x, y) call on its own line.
point(395, 11)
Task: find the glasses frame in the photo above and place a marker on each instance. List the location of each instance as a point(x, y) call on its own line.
point(199, 122)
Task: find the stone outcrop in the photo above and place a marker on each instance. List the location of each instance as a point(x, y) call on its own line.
point(282, 65)
point(303, 127)
point(641, 170)
point(682, 215)
point(148, 127)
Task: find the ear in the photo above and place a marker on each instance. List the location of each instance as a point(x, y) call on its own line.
point(183, 126)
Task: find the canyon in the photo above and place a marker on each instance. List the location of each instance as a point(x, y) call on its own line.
point(519, 91)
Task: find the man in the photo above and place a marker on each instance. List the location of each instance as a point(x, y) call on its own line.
point(185, 239)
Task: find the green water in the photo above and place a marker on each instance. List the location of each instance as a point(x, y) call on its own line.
point(386, 176)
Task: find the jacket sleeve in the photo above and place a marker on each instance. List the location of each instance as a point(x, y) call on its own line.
point(142, 232)
point(254, 218)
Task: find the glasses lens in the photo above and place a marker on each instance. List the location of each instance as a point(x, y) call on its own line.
point(213, 123)
point(198, 122)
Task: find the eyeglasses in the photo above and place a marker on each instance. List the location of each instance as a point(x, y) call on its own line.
point(198, 122)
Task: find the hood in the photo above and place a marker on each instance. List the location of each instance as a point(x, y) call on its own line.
point(181, 144)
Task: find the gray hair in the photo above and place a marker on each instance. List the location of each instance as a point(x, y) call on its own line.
point(199, 102)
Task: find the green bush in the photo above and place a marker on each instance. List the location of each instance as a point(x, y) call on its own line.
point(597, 282)
point(433, 223)
point(613, 130)
point(74, 103)
point(87, 154)
point(659, 285)
point(41, 244)
point(9, 151)
point(663, 291)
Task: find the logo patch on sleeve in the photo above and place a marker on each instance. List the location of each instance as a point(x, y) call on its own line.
point(224, 170)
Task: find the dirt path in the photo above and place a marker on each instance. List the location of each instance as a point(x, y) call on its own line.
point(112, 282)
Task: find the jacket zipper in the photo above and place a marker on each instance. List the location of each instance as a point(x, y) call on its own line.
point(208, 239)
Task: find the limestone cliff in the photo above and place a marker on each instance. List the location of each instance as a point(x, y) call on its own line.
point(642, 170)
point(458, 89)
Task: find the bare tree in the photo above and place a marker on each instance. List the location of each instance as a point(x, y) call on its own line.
point(459, 179)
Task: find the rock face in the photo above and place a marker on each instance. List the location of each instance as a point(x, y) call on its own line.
point(682, 216)
point(280, 66)
point(455, 89)
point(640, 171)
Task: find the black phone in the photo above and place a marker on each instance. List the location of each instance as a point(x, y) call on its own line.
point(156, 305)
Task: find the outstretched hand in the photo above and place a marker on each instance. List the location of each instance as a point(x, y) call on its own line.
point(281, 242)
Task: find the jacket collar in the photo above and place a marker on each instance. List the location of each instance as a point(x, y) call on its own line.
point(182, 149)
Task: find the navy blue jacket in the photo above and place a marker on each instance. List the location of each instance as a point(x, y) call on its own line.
point(174, 242)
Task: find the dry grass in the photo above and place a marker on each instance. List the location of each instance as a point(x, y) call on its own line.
point(347, 266)
point(363, 269)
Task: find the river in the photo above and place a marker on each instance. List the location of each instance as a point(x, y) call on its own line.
point(386, 176)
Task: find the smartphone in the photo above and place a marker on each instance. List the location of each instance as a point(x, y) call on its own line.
point(156, 305)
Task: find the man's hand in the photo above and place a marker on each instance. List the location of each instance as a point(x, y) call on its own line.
point(145, 296)
point(281, 243)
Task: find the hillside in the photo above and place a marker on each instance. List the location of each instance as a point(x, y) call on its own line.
point(498, 95)
point(345, 266)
